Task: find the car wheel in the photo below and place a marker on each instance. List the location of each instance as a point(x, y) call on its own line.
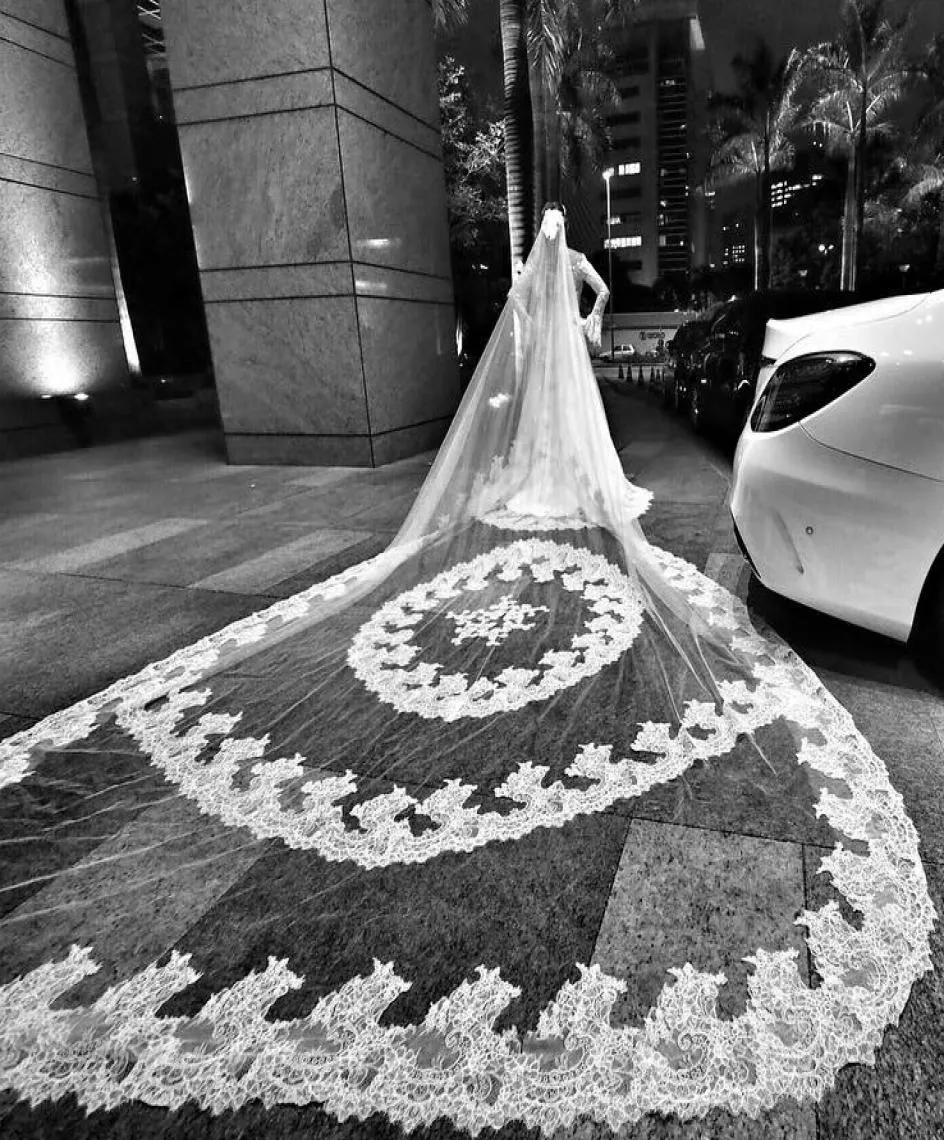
point(695, 410)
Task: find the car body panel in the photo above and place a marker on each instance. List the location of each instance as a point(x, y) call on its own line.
point(782, 335)
point(844, 511)
point(835, 532)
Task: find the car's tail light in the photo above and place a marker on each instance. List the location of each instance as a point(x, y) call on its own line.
point(805, 384)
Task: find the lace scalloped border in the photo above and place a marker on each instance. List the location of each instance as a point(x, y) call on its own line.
point(383, 646)
point(790, 1042)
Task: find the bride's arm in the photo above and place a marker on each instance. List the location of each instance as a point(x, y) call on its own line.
point(593, 326)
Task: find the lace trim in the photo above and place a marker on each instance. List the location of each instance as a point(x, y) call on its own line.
point(790, 1042)
point(495, 624)
point(504, 519)
point(383, 647)
point(182, 668)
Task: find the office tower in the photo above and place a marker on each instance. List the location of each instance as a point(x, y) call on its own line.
point(653, 222)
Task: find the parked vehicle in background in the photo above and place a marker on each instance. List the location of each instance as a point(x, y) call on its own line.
point(622, 353)
point(681, 350)
point(724, 364)
point(838, 492)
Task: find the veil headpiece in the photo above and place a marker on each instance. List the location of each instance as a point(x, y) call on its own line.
point(552, 224)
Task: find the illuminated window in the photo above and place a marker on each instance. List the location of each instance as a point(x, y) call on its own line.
point(631, 242)
point(629, 168)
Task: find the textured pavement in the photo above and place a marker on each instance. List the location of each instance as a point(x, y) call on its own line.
point(113, 557)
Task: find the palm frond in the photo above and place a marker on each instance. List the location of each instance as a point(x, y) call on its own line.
point(929, 180)
point(450, 14)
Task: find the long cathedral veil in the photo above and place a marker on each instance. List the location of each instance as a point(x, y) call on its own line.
point(518, 660)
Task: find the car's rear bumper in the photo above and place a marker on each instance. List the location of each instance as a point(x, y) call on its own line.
point(837, 533)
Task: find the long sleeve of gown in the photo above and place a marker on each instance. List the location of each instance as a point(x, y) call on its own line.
point(593, 326)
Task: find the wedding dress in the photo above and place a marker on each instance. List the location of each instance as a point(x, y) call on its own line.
point(396, 764)
point(561, 437)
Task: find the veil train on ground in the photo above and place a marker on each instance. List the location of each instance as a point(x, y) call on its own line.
point(345, 806)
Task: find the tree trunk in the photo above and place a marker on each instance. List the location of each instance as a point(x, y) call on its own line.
point(765, 221)
point(939, 260)
point(847, 275)
point(552, 151)
point(759, 235)
point(519, 158)
point(539, 193)
point(860, 148)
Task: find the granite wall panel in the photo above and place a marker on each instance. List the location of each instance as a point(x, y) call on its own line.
point(266, 189)
point(250, 39)
point(310, 138)
point(59, 330)
point(289, 363)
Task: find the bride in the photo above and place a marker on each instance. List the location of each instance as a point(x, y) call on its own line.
point(434, 762)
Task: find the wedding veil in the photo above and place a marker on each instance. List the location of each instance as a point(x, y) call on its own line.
point(519, 661)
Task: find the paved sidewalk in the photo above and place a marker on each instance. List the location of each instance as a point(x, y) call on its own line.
point(114, 557)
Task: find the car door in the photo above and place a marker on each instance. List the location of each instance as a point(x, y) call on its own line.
point(723, 360)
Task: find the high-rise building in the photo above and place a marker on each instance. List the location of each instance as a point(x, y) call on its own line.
point(652, 225)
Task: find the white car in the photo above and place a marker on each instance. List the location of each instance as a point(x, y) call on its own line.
point(838, 494)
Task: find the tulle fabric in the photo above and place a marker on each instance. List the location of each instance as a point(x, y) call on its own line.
point(518, 658)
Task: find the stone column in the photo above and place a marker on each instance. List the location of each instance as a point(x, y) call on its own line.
point(59, 327)
point(310, 136)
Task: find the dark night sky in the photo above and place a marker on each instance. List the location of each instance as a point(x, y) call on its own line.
point(729, 26)
point(733, 25)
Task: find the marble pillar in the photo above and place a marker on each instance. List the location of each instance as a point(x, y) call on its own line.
point(59, 325)
point(310, 136)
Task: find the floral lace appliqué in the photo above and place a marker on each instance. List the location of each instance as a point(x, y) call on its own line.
point(495, 624)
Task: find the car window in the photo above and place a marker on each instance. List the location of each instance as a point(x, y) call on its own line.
point(729, 323)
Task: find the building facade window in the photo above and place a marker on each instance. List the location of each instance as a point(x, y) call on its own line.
point(630, 241)
point(629, 168)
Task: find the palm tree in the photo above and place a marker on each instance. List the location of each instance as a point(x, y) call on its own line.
point(449, 14)
point(554, 89)
point(752, 137)
point(571, 87)
point(859, 79)
point(923, 165)
point(519, 156)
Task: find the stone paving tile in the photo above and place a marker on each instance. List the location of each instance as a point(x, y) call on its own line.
point(685, 895)
point(240, 556)
point(129, 913)
point(901, 727)
point(97, 632)
point(756, 790)
point(86, 554)
point(530, 908)
point(25, 538)
point(901, 1096)
point(335, 564)
point(788, 1121)
point(258, 575)
point(684, 529)
point(371, 507)
point(10, 723)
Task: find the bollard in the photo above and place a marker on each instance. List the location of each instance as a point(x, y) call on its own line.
point(620, 375)
point(652, 377)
